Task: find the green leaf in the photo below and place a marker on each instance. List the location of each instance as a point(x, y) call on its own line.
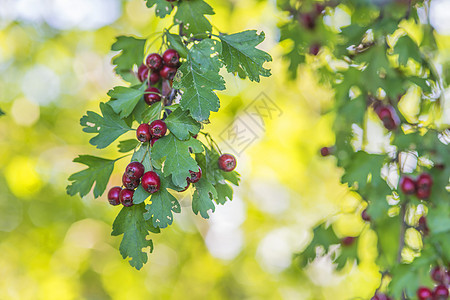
point(132, 54)
point(162, 9)
point(131, 223)
point(224, 192)
point(127, 145)
point(175, 42)
point(151, 113)
point(140, 195)
point(197, 78)
point(438, 219)
point(162, 205)
point(406, 48)
point(181, 124)
point(239, 52)
point(178, 158)
point(388, 232)
point(2, 112)
point(124, 99)
point(202, 199)
point(142, 156)
point(323, 236)
point(347, 253)
point(108, 128)
point(99, 170)
point(191, 14)
point(360, 166)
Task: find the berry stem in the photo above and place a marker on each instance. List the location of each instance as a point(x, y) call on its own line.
point(402, 231)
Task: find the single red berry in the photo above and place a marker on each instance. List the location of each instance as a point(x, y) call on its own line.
point(151, 182)
point(143, 133)
point(152, 95)
point(195, 176)
point(365, 216)
point(440, 292)
point(308, 21)
point(424, 181)
point(187, 186)
point(154, 61)
point(314, 49)
point(113, 195)
point(168, 72)
point(407, 185)
point(423, 193)
point(318, 7)
point(325, 151)
point(158, 129)
point(195, 136)
point(142, 73)
point(130, 183)
point(126, 197)
point(348, 240)
point(171, 58)
point(154, 78)
point(424, 293)
point(380, 296)
point(438, 274)
point(423, 226)
point(389, 117)
point(227, 162)
point(135, 170)
point(152, 141)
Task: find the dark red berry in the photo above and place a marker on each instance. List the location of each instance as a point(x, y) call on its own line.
point(168, 72)
point(440, 292)
point(227, 162)
point(171, 58)
point(158, 129)
point(424, 181)
point(126, 197)
point(308, 21)
point(135, 170)
point(154, 78)
point(154, 61)
point(424, 293)
point(143, 133)
point(365, 216)
point(325, 151)
point(407, 185)
point(142, 73)
point(389, 117)
point(380, 296)
point(151, 182)
point(195, 176)
point(423, 227)
point(348, 240)
point(318, 8)
point(113, 195)
point(152, 95)
point(195, 136)
point(314, 49)
point(423, 193)
point(130, 183)
point(438, 274)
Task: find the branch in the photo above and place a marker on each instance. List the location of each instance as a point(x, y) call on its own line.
point(402, 231)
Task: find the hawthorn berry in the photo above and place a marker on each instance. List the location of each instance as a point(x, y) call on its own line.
point(152, 141)
point(380, 296)
point(171, 58)
point(424, 181)
point(318, 7)
point(158, 129)
point(440, 292)
point(423, 226)
point(151, 182)
point(314, 49)
point(407, 185)
point(142, 73)
point(195, 176)
point(227, 162)
point(389, 117)
point(152, 95)
point(135, 170)
point(365, 216)
point(167, 72)
point(154, 78)
point(130, 183)
point(438, 274)
point(154, 61)
point(143, 133)
point(126, 197)
point(424, 293)
point(423, 193)
point(308, 21)
point(326, 151)
point(113, 195)
point(348, 240)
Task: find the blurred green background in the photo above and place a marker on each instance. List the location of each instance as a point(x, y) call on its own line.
point(55, 63)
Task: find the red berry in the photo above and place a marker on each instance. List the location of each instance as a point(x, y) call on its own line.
point(424, 181)
point(348, 240)
point(325, 151)
point(151, 182)
point(424, 293)
point(152, 141)
point(440, 292)
point(130, 183)
point(113, 195)
point(135, 170)
point(171, 58)
point(168, 72)
point(308, 21)
point(314, 49)
point(154, 78)
point(227, 162)
point(380, 296)
point(423, 193)
point(365, 216)
point(407, 185)
point(142, 73)
point(195, 176)
point(126, 197)
point(319, 8)
point(143, 133)
point(389, 117)
point(158, 129)
point(154, 61)
point(438, 274)
point(152, 95)
point(423, 226)
point(195, 136)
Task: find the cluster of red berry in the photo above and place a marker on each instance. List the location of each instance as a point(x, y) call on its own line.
point(155, 68)
point(441, 276)
point(388, 116)
point(421, 187)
